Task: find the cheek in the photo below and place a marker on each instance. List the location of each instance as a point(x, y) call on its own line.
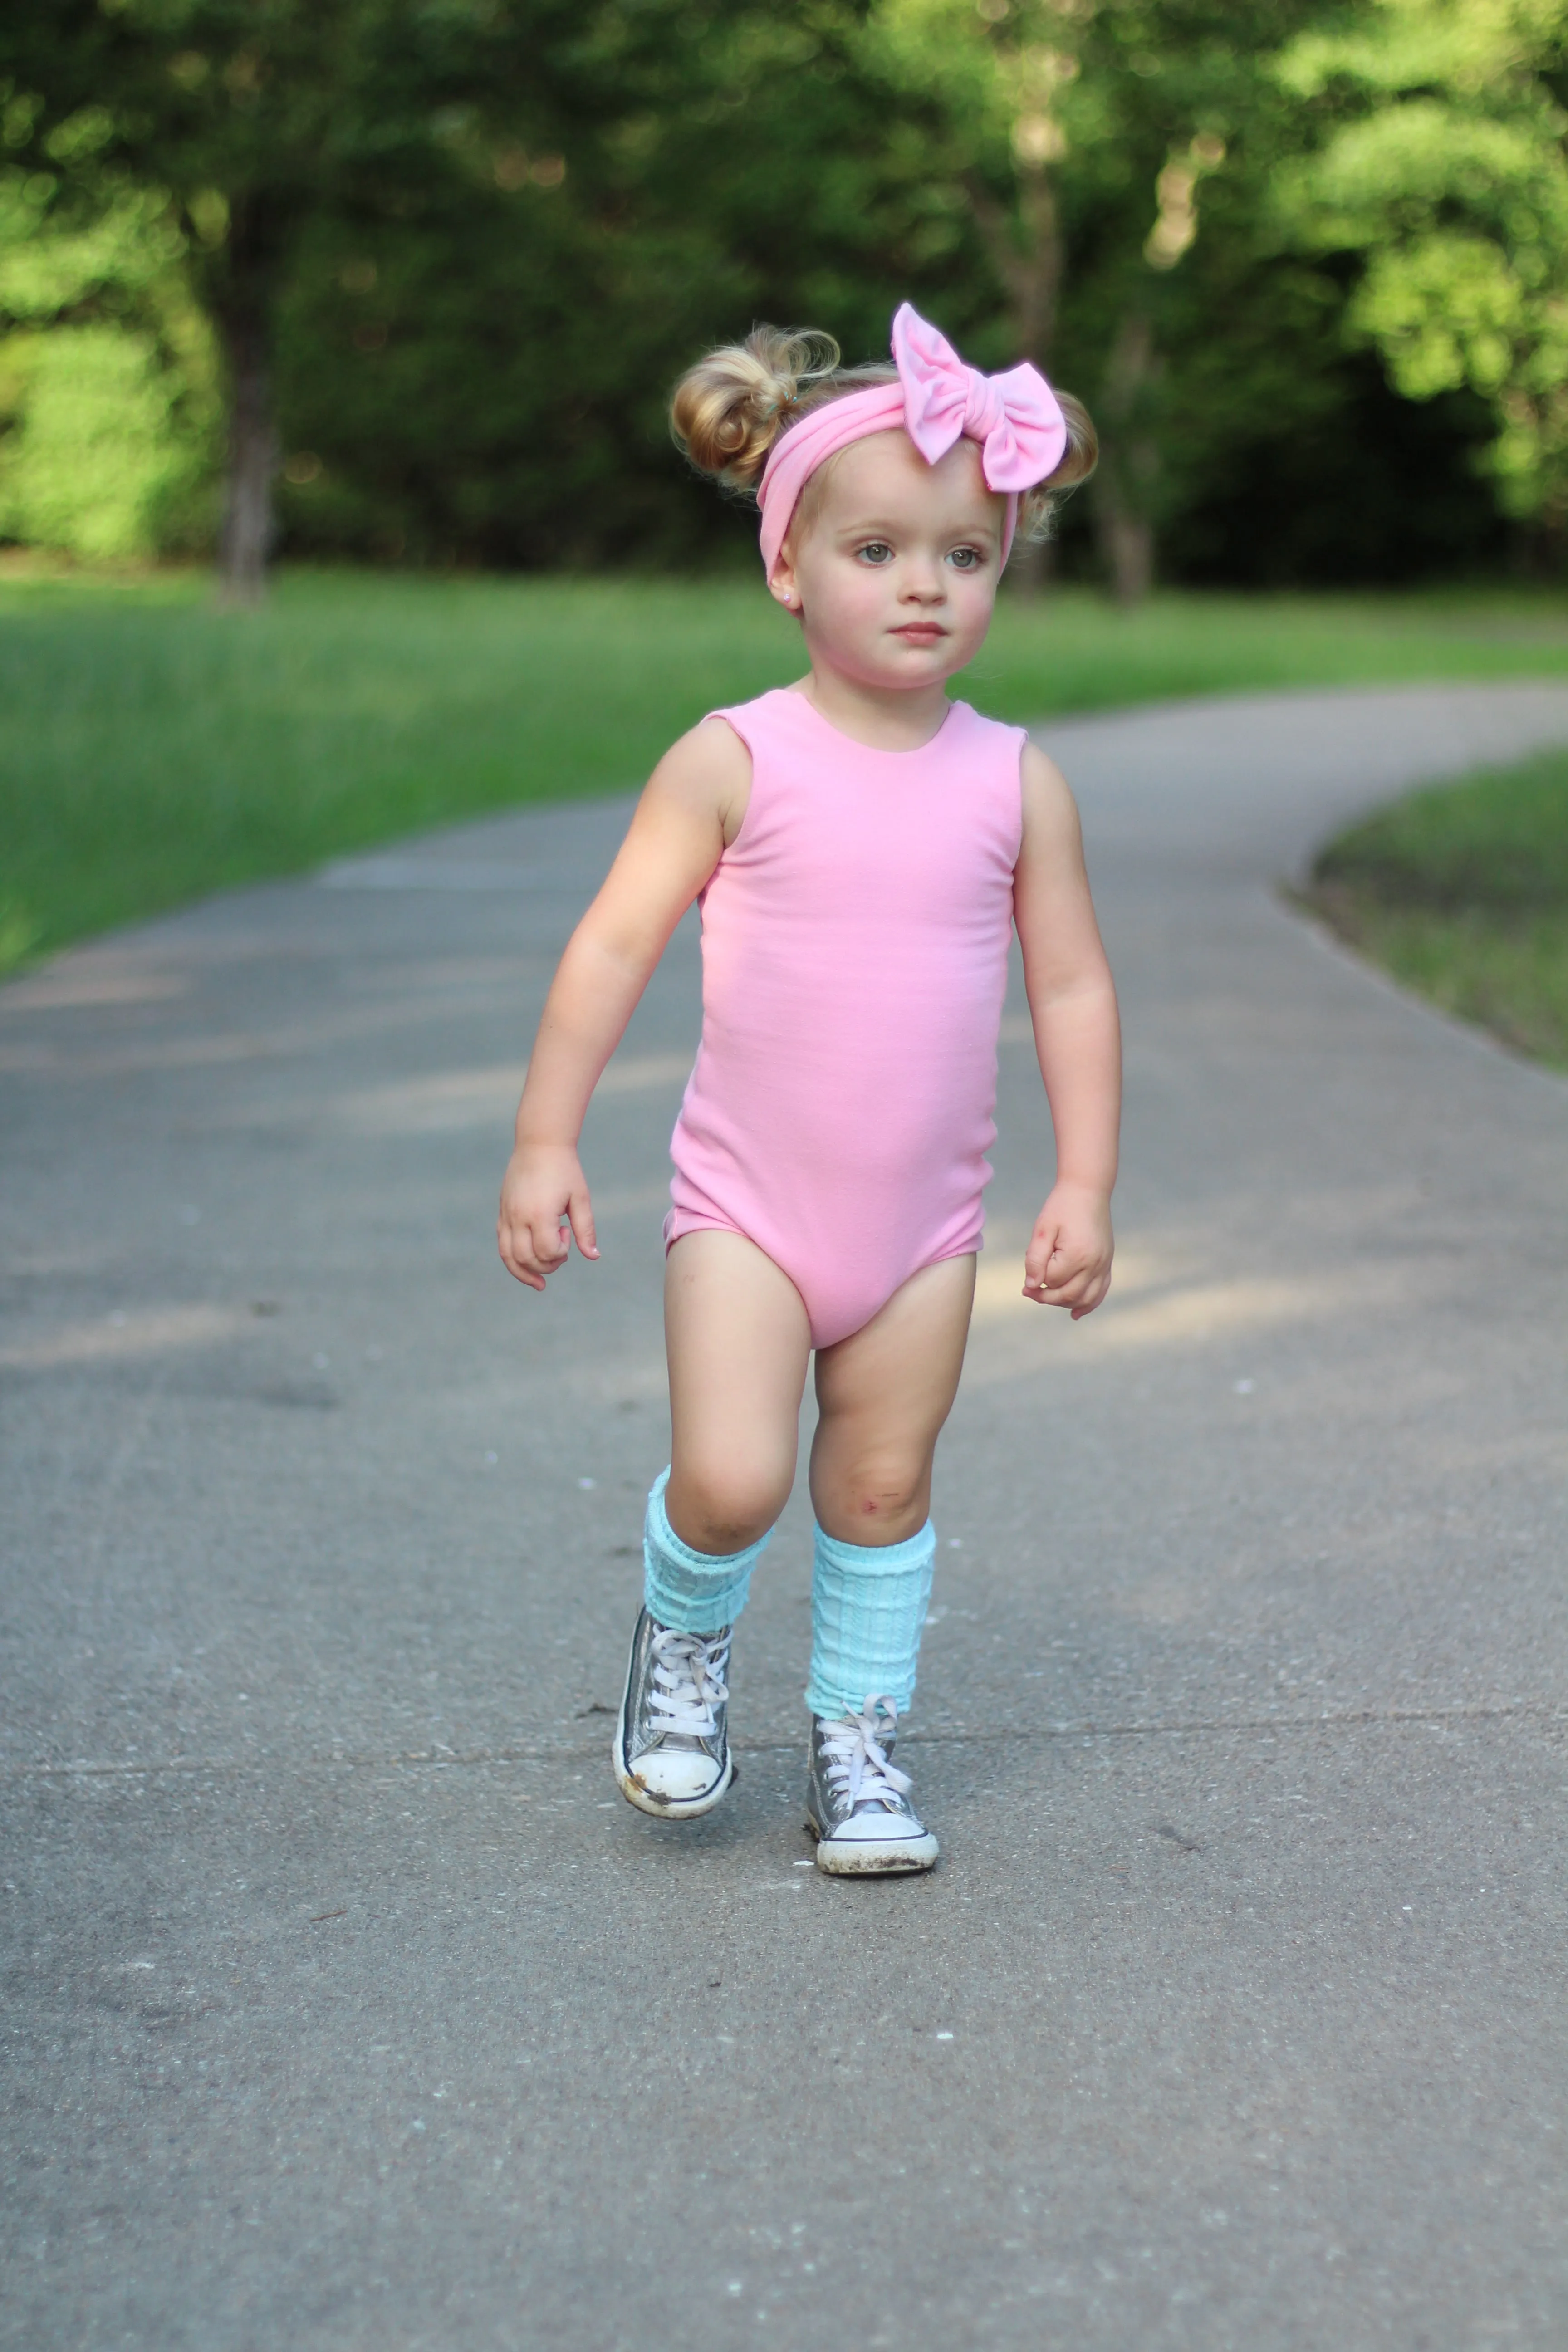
point(974, 597)
point(851, 593)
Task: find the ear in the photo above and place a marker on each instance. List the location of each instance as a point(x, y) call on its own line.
point(782, 585)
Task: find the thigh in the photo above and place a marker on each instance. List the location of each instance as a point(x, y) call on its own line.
point(738, 1343)
point(884, 1394)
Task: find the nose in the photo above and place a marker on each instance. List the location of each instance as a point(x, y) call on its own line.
point(922, 582)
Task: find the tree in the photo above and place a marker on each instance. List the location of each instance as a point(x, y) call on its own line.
point(250, 115)
point(485, 377)
point(453, 253)
point(1442, 168)
point(108, 390)
point(1080, 138)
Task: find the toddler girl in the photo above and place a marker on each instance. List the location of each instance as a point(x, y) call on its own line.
point(861, 848)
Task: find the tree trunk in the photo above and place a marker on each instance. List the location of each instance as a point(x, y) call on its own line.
point(248, 519)
point(1037, 277)
point(1032, 274)
point(1127, 548)
point(1127, 464)
point(238, 276)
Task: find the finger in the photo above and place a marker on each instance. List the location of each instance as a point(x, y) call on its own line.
point(520, 1268)
point(549, 1246)
point(1076, 1291)
point(1094, 1294)
point(521, 1258)
point(1062, 1271)
point(580, 1211)
point(1038, 1257)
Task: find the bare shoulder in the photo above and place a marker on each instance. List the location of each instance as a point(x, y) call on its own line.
point(706, 773)
point(1051, 811)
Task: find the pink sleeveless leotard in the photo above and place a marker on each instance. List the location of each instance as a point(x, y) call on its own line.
point(854, 939)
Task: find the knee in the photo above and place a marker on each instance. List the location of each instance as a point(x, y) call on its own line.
point(720, 1508)
point(887, 1494)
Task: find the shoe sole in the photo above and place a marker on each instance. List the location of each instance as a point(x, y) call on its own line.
point(864, 1858)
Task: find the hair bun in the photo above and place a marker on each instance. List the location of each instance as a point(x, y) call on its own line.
point(728, 411)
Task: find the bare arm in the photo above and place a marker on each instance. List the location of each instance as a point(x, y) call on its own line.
point(691, 807)
point(1072, 1002)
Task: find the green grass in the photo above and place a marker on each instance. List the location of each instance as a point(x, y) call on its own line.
point(152, 748)
point(1461, 892)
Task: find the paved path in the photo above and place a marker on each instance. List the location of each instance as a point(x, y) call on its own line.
point(347, 2007)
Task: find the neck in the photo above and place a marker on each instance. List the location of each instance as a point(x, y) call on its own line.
point(885, 719)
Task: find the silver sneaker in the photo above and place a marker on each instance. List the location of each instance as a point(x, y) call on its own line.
point(672, 1747)
point(856, 1804)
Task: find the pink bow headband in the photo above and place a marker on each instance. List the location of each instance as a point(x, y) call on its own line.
point(1015, 418)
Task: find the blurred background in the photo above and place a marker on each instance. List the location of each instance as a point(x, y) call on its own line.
point(439, 264)
point(394, 290)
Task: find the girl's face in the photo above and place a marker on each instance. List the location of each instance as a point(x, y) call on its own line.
point(894, 563)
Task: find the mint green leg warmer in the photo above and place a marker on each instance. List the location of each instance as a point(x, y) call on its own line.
point(692, 1591)
point(868, 1606)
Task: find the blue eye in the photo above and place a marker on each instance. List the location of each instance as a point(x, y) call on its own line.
point(877, 551)
point(966, 558)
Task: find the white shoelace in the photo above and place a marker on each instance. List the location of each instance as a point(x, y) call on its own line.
point(687, 1683)
point(857, 1770)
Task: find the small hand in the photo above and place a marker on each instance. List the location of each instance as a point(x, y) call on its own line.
point(543, 1194)
point(1068, 1263)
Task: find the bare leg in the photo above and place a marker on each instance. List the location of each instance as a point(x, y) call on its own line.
point(738, 1343)
point(884, 1394)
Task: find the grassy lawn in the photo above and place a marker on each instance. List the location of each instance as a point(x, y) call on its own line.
point(152, 748)
point(1462, 893)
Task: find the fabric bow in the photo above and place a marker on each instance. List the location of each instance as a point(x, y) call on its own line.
point(1015, 417)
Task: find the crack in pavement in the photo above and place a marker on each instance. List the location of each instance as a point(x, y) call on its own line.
point(1541, 1711)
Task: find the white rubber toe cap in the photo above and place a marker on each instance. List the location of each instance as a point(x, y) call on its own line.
point(676, 1774)
point(673, 1783)
point(876, 1828)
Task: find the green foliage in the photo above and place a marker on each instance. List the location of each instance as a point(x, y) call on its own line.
point(471, 245)
point(155, 749)
point(1443, 164)
point(109, 404)
point(813, 167)
point(253, 117)
point(1116, 162)
point(742, 165)
point(94, 455)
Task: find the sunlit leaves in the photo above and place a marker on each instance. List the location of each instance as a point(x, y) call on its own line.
point(1447, 169)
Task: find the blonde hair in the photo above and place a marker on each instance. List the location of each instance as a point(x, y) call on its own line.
point(727, 412)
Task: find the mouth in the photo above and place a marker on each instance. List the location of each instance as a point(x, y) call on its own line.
point(920, 633)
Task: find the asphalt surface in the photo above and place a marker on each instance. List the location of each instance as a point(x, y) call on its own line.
point(346, 2005)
